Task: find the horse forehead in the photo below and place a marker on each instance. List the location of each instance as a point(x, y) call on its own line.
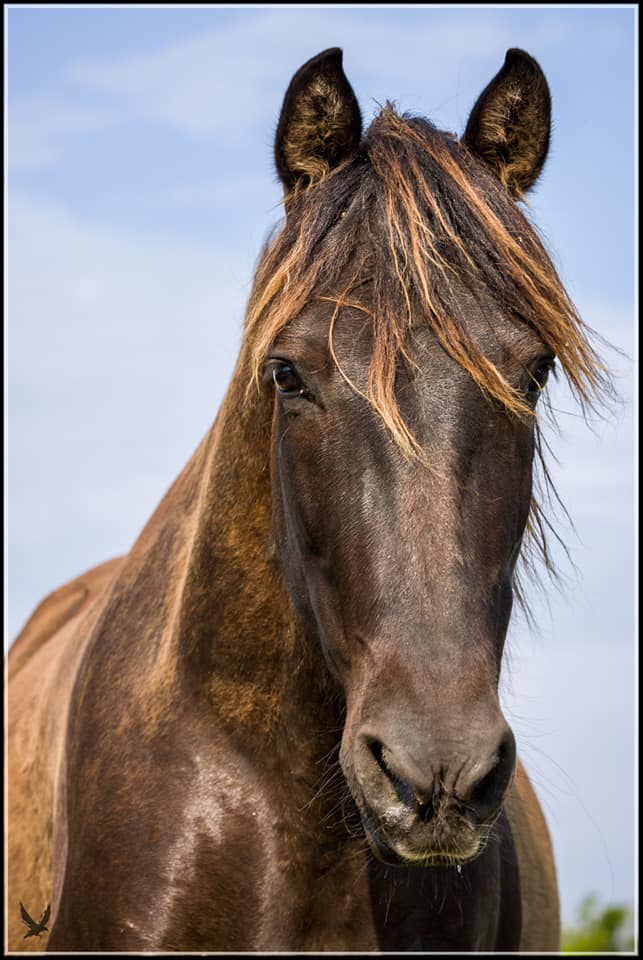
point(503, 340)
point(482, 319)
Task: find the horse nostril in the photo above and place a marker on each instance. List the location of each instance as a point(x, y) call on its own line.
point(486, 796)
point(421, 801)
point(376, 749)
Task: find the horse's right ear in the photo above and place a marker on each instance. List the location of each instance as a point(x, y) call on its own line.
point(320, 124)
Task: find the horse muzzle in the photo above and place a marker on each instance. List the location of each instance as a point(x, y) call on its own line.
point(439, 812)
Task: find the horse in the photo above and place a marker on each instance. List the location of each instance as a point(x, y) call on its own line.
point(274, 725)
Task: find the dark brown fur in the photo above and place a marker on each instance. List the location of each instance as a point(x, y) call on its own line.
point(240, 735)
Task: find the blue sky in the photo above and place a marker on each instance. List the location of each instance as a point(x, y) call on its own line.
point(140, 189)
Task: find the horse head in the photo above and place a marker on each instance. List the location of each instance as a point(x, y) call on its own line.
point(406, 319)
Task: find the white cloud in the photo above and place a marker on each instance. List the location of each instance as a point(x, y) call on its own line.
point(41, 127)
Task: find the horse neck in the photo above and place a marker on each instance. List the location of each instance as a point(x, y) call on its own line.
point(236, 640)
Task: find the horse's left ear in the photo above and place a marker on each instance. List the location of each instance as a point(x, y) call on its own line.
point(320, 123)
point(510, 125)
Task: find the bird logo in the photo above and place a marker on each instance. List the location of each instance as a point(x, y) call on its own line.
point(35, 929)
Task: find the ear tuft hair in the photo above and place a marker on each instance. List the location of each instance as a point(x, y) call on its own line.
point(510, 124)
point(320, 124)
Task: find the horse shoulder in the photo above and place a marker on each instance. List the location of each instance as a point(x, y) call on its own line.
point(42, 665)
point(538, 887)
point(57, 609)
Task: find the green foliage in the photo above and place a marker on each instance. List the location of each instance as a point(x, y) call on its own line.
point(600, 929)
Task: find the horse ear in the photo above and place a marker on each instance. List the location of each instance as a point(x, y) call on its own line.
point(320, 123)
point(510, 125)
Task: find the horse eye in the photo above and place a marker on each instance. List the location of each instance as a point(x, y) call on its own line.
point(539, 376)
point(286, 380)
